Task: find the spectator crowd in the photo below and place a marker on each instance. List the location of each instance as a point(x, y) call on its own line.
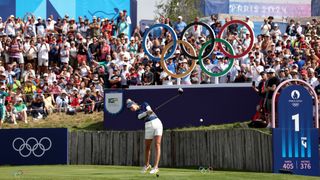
point(53, 65)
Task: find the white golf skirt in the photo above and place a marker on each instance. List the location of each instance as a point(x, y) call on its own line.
point(153, 128)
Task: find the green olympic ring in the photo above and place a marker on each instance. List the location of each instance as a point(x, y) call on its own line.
point(231, 61)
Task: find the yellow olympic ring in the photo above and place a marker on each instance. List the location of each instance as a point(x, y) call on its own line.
point(164, 66)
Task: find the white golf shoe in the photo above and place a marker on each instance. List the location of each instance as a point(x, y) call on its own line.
point(145, 169)
point(154, 171)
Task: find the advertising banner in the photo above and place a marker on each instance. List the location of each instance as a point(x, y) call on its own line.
point(276, 8)
point(34, 146)
point(198, 106)
point(295, 140)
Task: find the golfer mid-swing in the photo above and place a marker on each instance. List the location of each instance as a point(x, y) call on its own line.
point(153, 130)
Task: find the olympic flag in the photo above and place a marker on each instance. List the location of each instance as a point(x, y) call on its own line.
point(34, 146)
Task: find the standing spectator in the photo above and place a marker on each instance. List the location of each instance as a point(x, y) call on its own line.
point(271, 85)
point(95, 27)
point(127, 17)
point(291, 29)
point(41, 28)
point(123, 27)
point(3, 95)
point(10, 26)
point(265, 27)
point(179, 26)
point(64, 54)
point(43, 55)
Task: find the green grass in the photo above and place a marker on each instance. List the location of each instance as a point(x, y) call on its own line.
point(94, 122)
point(128, 172)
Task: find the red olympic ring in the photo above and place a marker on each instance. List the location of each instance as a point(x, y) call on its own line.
point(226, 53)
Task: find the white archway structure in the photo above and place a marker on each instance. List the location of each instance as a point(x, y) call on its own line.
point(304, 83)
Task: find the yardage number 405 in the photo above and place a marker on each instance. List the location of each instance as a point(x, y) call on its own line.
point(296, 120)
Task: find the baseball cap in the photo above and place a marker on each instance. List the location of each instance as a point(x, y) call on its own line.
point(271, 70)
point(19, 99)
point(3, 87)
point(179, 17)
point(130, 103)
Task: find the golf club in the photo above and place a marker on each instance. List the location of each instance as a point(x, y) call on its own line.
point(180, 92)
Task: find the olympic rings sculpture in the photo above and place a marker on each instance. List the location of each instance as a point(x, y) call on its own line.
point(203, 53)
point(31, 145)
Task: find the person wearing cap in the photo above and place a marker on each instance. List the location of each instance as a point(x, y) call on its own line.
point(153, 131)
point(127, 17)
point(272, 83)
point(179, 26)
point(64, 53)
point(62, 101)
point(75, 99)
point(95, 27)
point(3, 95)
point(276, 31)
point(312, 79)
point(88, 101)
point(249, 22)
point(72, 26)
point(260, 89)
point(50, 25)
point(41, 28)
point(123, 27)
point(20, 110)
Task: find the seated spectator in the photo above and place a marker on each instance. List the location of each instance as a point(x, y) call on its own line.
point(98, 100)
point(20, 111)
point(62, 101)
point(9, 112)
point(75, 99)
point(88, 102)
point(48, 102)
point(38, 107)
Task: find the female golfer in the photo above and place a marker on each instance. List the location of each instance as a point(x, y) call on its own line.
point(153, 130)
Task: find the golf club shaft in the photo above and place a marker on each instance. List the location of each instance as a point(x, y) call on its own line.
point(166, 102)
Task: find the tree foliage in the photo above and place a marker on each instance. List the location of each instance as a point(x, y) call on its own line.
point(188, 9)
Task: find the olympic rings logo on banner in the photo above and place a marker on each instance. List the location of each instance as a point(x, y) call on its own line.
point(31, 145)
point(203, 53)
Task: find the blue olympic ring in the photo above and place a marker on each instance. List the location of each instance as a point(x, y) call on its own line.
point(144, 41)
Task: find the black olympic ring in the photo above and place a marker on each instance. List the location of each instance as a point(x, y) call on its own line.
point(212, 36)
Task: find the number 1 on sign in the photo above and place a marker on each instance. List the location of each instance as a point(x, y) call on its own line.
point(295, 118)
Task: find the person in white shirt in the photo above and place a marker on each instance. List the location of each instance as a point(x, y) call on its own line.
point(43, 55)
point(50, 25)
point(64, 54)
point(299, 28)
point(249, 22)
point(196, 30)
point(128, 19)
point(41, 28)
point(10, 26)
point(1, 26)
point(265, 27)
point(165, 78)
